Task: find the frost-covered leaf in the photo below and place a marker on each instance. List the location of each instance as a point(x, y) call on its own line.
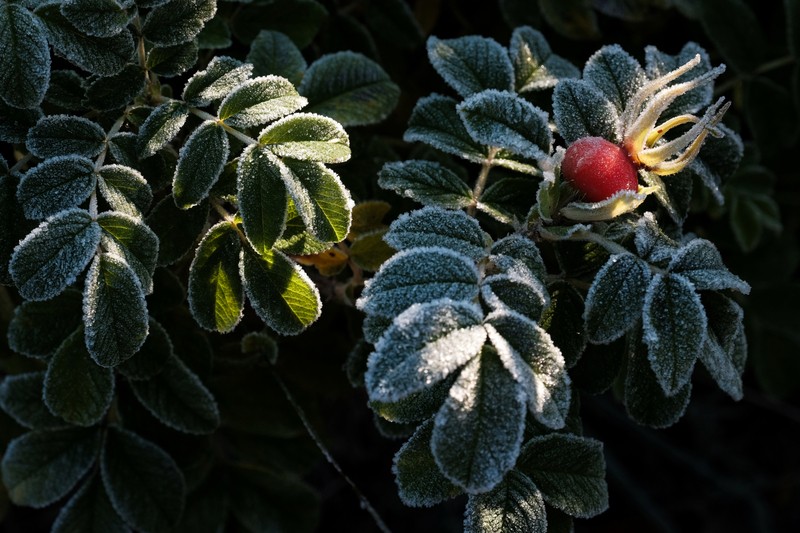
point(515, 505)
point(109, 93)
point(262, 196)
point(701, 263)
point(99, 18)
point(25, 66)
point(615, 299)
point(471, 64)
point(417, 406)
point(66, 90)
point(419, 481)
point(536, 67)
point(131, 239)
point(529, 354)
point(57, 135)
point(427, 182)
point(89, 511)
point(177, 21)
point(435, 122)
point(200, 164)
point(419, 275)
point(176, 228)
point(177, 398)
point(508, 200)
point(652, 243)
point(125, 189)
point(37, 329)
point(674, 323)
point(657, 64)
point(423, 346)
point(581, 110)
point(515, 289)
point(504, 120)
point(216, 296)
point(21, 399)
point(219, 78)
point(478, 432)
point(215, 34)
point(259, 101)
point(169, 61)
point(51, 256)
point(272, 52)
point(56, 184)
point(722, 352)
point(434, 226)
point(307, 137)
point(114, 311)
point(615, 73)
point(563, 321)
point(280, 292)
point(103, 56)
point(163, 123)
point(40, 467)
point(569, 470)
point(645, 400)
point(349, 88)
point(151, 357)
point(75, 387)
point(718, 161)
point(15, 123)
point(521, 249)
point(144, 484)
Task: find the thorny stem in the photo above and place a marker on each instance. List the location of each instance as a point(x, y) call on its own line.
point(365, 504)
point(480, 183)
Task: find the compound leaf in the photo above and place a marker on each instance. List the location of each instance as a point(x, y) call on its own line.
point(427, 182)
point(220, 77)
point(434, 226)
point(56, 184)
point(471, 64)
point(125, 189)
point(259, 101)
point(700, 262)
point(435, 122)
point(307, 137)
point(200, 163)
point(57, 135)
point(25, 68)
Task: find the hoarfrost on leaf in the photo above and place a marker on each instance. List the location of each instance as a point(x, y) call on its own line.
point(536, 67)
point(515, 505)
point(434, 226)
point(260, 100)
point(435, 122)
point(161, 125)
point(220, 77)
point(725, 346)
point(262, 196)
point(99, 18)
point(272, 52)
point(471, 64)
point(615, 73)
point(125, 189)
point(177, 21)
point(130, 238)
point(25, 71)
point(652, 243)
point(427, 182)
point(58, 135)
point(307, 137)
point(581, 110)
point(701, 263)
point(200, 163)
point(56, 184)
point(645, 400)
point(658, 64)
point(524, 250)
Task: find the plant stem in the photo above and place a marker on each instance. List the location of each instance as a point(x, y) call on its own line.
point(365, 504)
point(234, 132)
point(480, 183)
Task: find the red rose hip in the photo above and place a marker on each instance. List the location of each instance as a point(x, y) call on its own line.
point(598, 168)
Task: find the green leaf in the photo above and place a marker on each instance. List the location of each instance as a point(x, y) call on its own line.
point(151, 357)
point(144, 484)
point(15, 123)
point(259, 101)
point(733, 27)
point(116, 91)
point(215, 34)
point(163, 123)
point(434, 226)
point(176, 228)
point(177, 21)
point(700, 262)
point(51, 257)
point(37, 329)
point(419, 481)
point(58, 135)
point(41, 467)
point(262, 197)
point(535, 66)
point(616, 298)
point(104, 56)
point(725, 348)
point(419, 275)
point(200, 164)
point(674, 323)
point(427, 182)
point(307, 137)
point(216, 296)
point(295, 240)
point(504, 120)
point(514, 288)
point(89, 511)
point(170, 61)
point(581, 110)
point(115, 312)
point(615, 73)
point(570, 472)
point(349, 88)
point(300, 20)
point(56, 184)
point(178, 399)
point(471, 64)
point(131, 239)
point(508, 200)
point(523, 250)
point(125, 189)
point(75, 387)
point(280, 292)
point(435, 122)
point(528, 353)
point(645, 400)
point(25, 67)
point(320, 198)
point(99, 18)
point(66, 90)
point(478, 431)
point(658, 64)
point(515, 505)
point(563, 321)
point(272, 52)
point(21, 399)
point(221, 76)
point(417, 406)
